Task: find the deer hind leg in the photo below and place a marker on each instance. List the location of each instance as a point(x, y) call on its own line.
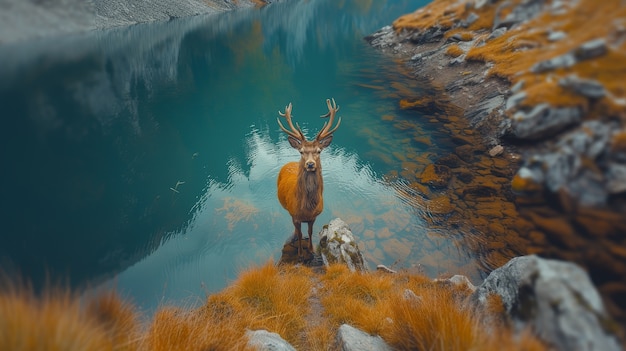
point(298, 231)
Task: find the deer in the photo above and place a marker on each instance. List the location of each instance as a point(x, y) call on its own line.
point(300, 184)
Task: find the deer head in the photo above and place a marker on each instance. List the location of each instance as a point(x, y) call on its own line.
point(310, 150)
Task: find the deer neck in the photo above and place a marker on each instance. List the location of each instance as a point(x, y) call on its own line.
point(310, 187)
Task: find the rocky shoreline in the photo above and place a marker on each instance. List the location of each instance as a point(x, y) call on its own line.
point(546, 97)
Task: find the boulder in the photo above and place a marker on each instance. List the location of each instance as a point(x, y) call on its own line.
point(338, 245)
point(555, 298)
point(262, 340)
point(352, 339)
point(543, 121)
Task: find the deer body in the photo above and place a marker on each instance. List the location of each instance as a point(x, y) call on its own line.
point(300, 184)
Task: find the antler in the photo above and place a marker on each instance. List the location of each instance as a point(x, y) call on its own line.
point(294, 132)
point(332, 110)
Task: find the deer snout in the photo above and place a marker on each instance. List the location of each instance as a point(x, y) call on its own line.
point(310, 165)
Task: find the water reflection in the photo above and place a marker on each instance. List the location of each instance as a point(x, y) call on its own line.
point(157, 144)
point(239, 222)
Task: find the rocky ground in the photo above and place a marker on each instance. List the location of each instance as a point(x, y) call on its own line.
point(543, 83)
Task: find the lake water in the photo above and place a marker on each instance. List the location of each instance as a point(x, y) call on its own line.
point(146, 157)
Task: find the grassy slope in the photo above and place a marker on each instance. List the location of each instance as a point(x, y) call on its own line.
point(514, 53)
point(277, 299)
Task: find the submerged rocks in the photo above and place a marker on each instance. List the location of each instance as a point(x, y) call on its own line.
point(555, 298)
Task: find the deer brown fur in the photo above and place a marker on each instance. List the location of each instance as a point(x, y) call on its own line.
point(300, 184)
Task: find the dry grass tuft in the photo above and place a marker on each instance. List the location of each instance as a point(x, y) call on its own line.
point(454, 51)
point(56, 320)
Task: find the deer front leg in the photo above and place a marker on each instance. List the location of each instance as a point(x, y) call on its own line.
point(310, 223)
point(298, 231)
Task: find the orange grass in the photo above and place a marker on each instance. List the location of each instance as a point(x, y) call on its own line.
point(437, 319)
point(454, 51)
point(56, 320)
point(441, 12)
point(274, 298)
point(519, 49)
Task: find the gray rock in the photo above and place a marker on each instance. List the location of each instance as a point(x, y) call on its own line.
point(352, 339)
point(556, 36)
point(586, 87)
point(588, 188)
point(458, 280)
point(563, 61)
point(616, 178)
point(544, 120)
point(590, 140)
point(383, 268)
point(478, 113)
point(263, 340)
point(497, 33)
point(517, 87)
point(471, 18)
point(382, 38)
point(515, 99)
point(338, 245)
point(431, 35)
point(555, 298)
point(560, 167)
point(591, 49)
point(521, 13)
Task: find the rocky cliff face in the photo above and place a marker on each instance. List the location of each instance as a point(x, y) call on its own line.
point(30, 19)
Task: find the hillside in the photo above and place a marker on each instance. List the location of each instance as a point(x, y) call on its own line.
point(543, 83)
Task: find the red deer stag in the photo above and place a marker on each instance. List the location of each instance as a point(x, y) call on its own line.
point(300, 184)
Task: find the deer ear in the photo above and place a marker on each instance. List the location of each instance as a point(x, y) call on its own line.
point(326, 141)
point(295, 143)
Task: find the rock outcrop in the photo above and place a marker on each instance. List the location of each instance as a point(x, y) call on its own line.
point(555, 298)
point(338, 245)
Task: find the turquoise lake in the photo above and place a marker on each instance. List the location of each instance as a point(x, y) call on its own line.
point(145, 158)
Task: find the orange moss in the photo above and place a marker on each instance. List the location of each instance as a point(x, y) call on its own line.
point(454, 51)
point(442, 12)
point(521, 184)
point(416, 103)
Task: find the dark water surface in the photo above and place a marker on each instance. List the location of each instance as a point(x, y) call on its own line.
point(146, 157)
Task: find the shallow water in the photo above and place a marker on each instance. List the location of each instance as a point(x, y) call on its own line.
point(146, 157)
